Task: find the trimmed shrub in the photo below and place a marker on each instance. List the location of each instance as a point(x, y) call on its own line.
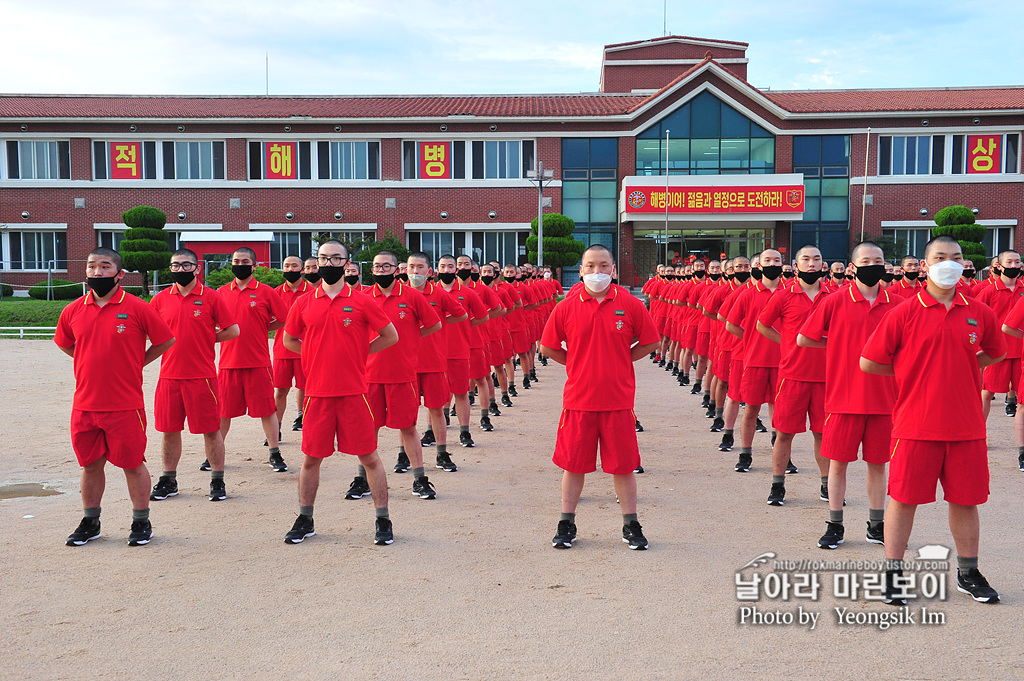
point(560, 249)
point(954, 215)
point(60, 289)
point(264, 275)
point(145, 246)
point(6, 291)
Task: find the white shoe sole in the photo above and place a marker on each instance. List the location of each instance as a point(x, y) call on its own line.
point(299, 541)
point(82, 543)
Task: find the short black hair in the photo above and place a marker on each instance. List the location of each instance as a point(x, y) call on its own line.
point(598, 247)
point(389, 254)
point(935, 241)
point(904, 259)
point(865, 244)
point(447, 256)
point(187, 252)
point(336, 242)
point(114, 256)
point(420, 255)
point(248, 251)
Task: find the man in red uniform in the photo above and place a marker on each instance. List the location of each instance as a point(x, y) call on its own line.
point(467, 362)
point(496, 333)
point(801, 391)
point(1001, 295)
point(604, 329)
point(391, 375)
point(288, 365)
point(479, 333)
point(105, 332)
point(731, 369)
point(938, 433)
point(330, 329)
point(858, 406)
point(311, 271)
point(710, 305)
point(519, 325)
point(908, 285)
point(703, 345)
point(512, 320)
point(245, 378)
point(187, 386)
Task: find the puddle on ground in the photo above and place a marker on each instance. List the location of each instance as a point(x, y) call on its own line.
point(26, 489)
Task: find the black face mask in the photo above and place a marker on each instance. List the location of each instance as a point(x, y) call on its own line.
point(838, 276)
point(897, 277)
point(869, 275)
point(912, 276)
point(756, 273)
point(810, 277)
point(789, 275)
point(183, 278)
point(446, 277)
point(1011, 272)
point(475, 275)
point(771, 271)
point(670, 277)
point(887, 276)
point(292, 277)
point(241, 272)
point(331, 275)
point(997, 270)
point(402, 276)
point(312, 277)
point(486, 280)
point(699, 274)
point(351, 279)
point(101, 286)
point(382, 280)
point(519, 278)
point(741, 277)
point(508, 279)
point(849, 277)
point(464, 275)
point(969, 274)
point(715, 277)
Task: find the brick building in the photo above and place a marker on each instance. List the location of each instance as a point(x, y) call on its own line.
point(747, 168)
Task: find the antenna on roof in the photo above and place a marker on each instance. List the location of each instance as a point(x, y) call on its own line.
point(268, 74)
point(664, 25)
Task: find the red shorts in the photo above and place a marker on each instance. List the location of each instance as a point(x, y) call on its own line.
point(690, 337)
point(659, 324)
point(845, 433)
point(458, 376)
point(285, 370)
point(1002, 376)
point(916, 465)
point(795, 401)
point(433, 386)
point(759, 385)
point(478, 366)
point(703, 345)
point(580, 433)
point(495, 356)
point(195, 398)
point(346, 420)
point(507, 352)
point(734, 391)
point(724, 364)
point(118, 435)
point(394, 405)
point(672, 329)
point(520, 341)
point(246, 391)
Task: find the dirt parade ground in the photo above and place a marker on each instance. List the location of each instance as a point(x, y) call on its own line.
point(471, 588)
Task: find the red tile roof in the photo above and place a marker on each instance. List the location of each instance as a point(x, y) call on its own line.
point(937, 99)
point(677, 37)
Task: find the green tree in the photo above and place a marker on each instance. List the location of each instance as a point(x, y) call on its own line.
point(958, 222)
point(145, 246)
point(560, 249)
point(264, 275)
point(368, 249)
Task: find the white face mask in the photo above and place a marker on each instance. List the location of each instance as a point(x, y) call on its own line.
point(417, 280)
point(547, 275)
point(945, 274)
point(597, 282)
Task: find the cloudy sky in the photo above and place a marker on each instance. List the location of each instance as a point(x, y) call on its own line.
point(486, 46)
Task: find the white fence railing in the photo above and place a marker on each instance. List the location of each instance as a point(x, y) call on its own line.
point(27, 331)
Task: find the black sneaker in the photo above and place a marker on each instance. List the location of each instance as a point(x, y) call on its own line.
point(696, 390)
point(675, 371)
point(505, 402)
point(302, 529)
point(727, 443)
point(423, 488)
point(760, 426)
point(448, 417)
point(533, 375)
point(653, 355)
point(266, 442)
point(485, 423)
point(823, 494)
point(684, 379)
point(277, 463)
point(472, 398)
point(164, 487)
point(494, 377)
point(777, 497)
point(670, 366)
point(775, 434)
point(88, 530)
point(403, 464)
point(661, 364)
point(974, 583)
point(218, 491)
point(511, 391)
point(205, 465)
point(743, 465)
point(451, 415)
point(633, 535)
point(428, 437)
point(893, 594)
point(445, 463)
point(493, 409)
point(385, 534)
point(565, 535)
point(297, 423)
point(1011, 407)
point(1020, 461)
point(544, 360)
point(465, 439)
point(718, 426)
point(792, 470)
point(639, 428)
point(712, 411)
point(358, 489)
point(142, 532)
point(833, 536)
point(876, 534)
point(638, 469)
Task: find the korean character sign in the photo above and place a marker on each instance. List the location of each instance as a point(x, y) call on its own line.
point(280, 161)
point(435, 161)
point(984, 153)
point(125, 161)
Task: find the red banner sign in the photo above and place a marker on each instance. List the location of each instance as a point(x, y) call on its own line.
point(984, 153)
point(435, 162)
point(280, 161)
point(125, 161)
point(749, 199)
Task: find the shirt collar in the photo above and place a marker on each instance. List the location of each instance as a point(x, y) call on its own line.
point(612, 294)
point(198, 290)
point(346, 292)
point(253, 284)
point(926, 299)
point(90, 298)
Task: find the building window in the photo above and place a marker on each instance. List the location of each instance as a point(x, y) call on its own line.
point(38, 160)
point(305, 243)
point(348, 160)
point(467, 159)
point(967, 154)
point(915, 155)
point(483, 246)
point(824, 161)
point(996, 153)
point(112, 239)
point(152, 160)
point(34, 250)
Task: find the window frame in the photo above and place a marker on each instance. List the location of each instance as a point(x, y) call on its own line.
point(61, 154)
point(37, 230)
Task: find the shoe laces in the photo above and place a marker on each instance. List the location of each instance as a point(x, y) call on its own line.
point(975, 577)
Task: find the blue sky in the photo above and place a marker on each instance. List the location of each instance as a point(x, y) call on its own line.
point(487, 47)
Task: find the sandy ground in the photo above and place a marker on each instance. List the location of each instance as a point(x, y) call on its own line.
point(471, 588)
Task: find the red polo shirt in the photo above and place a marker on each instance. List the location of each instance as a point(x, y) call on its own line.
point(110, 346)
point(288, 296)
point(434, 348)
point(514, 320)
point(335, 335)
point(194, 319)
point(1002, 301)
point(409, 311)
point(847, 319)
point(790, 308)
point(933, 352)
point(754, 349)
point(462, 337)
point(906, 288)
point(254, 308)
point(727, 341)
point(598, 339)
